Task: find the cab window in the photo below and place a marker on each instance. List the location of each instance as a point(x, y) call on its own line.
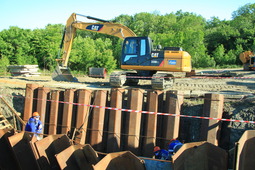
point(131, 47)
point(143, 47)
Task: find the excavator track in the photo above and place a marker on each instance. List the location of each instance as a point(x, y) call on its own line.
point(132, 79)
point(162, 81)
point(118, 79)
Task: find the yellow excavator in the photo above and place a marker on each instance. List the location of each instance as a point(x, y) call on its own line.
point(137, 55)
point(248, 60)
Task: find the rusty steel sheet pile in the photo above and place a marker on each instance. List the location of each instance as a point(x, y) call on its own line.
point(77, 157)
point(209, 156)
point(23, 151)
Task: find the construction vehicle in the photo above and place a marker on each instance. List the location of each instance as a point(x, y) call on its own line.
point(248, 59)
point(137, 55)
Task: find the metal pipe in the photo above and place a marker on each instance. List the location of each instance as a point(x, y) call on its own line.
point(93, 18)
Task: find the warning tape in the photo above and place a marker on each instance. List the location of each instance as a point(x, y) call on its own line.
point(153, 113)
point(192, 77)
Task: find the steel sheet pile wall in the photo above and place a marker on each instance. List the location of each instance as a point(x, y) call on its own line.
point(125, 128)
point(112, 121)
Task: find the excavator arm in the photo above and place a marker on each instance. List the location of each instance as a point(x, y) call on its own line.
point(62, 72)
point(103, 27)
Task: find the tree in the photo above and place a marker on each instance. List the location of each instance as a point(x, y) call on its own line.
point(247, 10)
point(244, 21)
point(4, 61)
point(219, 55)
point(88, 53)
point(45, 45)
point(16, 47)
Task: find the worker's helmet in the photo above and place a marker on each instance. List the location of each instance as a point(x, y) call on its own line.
point(156, 148)
point(35, 114)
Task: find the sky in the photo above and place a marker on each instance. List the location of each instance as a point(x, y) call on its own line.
point(33, 14)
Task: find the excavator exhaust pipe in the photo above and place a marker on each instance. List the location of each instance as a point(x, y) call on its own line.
point(63, 74)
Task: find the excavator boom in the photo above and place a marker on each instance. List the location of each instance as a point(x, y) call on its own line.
point(62, 72)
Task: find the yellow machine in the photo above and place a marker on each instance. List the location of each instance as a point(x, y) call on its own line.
point(248, 59)
point(137, 54)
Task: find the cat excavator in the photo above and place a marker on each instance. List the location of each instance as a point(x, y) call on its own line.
point(137, 55)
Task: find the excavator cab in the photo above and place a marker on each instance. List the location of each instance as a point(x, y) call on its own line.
point(136, 51)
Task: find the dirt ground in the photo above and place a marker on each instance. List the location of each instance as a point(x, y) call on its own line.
point(238, 90)
point(241, 82)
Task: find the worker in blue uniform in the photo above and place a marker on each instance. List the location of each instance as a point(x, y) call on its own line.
point(161, 153)
point(173, 147)
point(34, 125)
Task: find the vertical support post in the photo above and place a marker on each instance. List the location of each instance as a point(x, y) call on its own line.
point(97, 124)
point(134, 120)
point(151, 123)
point(28, 107)
point(114, 128)
point(54, 112)
point(82, 115)
point(68, 108)
point(174, 101)
point(244, 151)
point(213, 107)
point(41, 103)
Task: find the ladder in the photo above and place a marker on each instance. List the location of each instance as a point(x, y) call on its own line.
point(4, 123)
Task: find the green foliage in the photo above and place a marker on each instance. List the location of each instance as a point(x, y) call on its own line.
point(4, 62)
point(82, 55)
point(15, 45)
point(45, 45)
point(88, 53)
point(212, 43)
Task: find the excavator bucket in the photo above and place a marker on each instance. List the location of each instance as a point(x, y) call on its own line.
point(63, 74)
